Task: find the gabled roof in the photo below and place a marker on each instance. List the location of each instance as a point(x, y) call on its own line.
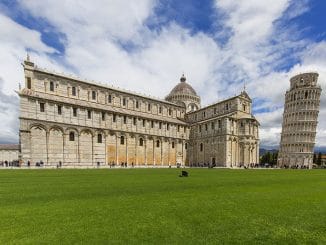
point(245, 95)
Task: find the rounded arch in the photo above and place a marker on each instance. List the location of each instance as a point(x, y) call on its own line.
point(38, 141)
point(87, 131)
point(38, 125)
point(181, 103)
point(86, 147)
point(100, 131)
point(71, 156)
point(192, 107)
point(56, 127)
point(71, 129)
point(55, 146)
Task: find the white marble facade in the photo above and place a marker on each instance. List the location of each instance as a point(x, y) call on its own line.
point(75, 123)
point(300, 118)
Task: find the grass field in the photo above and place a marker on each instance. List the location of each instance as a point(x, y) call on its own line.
point(155, 206)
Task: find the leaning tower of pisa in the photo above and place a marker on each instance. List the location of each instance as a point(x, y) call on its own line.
point(300, 116)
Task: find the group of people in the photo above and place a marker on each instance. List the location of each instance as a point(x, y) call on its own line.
point(296, 166)
point(202, 165)
point(213, 165)
point(9, 163)
point(251, 165)
point(125, 165)
point(122, 164)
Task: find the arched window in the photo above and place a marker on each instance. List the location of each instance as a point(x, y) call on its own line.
point(122, 140)
point(74, 112)
point(201, 147)
point(29, 82)
point(172, 144)
point(93, 95)
point(71, 136)
point(51, 86)
point(157, 143)
point(99, 138)
point(141, 142)
point(186, 146)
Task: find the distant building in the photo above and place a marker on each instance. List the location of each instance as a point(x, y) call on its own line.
point(323, 160)
point(9, 152)
point(300, 121)
point(74, 123)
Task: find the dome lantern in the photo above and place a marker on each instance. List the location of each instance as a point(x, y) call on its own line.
point(183, 78)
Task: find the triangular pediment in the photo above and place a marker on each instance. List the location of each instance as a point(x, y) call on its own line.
point(245, 95)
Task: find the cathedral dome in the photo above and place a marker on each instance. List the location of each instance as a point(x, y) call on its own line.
point(183, 94)
point(183, 88)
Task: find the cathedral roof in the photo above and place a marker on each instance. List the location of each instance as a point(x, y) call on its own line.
point(183, 88)
point(9, 147)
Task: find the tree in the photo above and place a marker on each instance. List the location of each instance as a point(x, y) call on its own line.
point(274, 158)
point(266, 158)
point(314, 159)
point(318, 162)
point(269, 157)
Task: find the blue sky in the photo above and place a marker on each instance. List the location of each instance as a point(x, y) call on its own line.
point(146, 45)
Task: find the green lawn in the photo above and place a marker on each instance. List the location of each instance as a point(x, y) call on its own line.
point(155, 206)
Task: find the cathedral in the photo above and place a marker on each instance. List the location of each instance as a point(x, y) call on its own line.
point(70, 122)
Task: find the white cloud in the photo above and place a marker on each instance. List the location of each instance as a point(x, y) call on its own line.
point(14, 41)
point(97, 19)
point(9, 116)
point(270, 137)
